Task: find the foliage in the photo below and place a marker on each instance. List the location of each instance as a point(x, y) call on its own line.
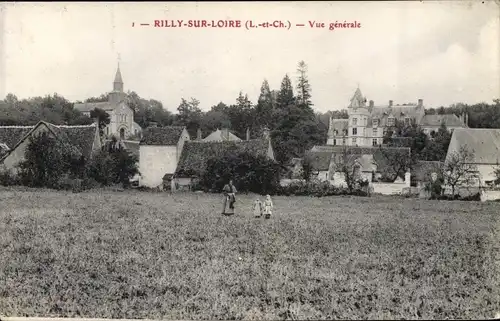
point(395, 163)
point(47, 160)
point(249, 173)
point(437, 147)
point(303, 86)
point(113, 165)
point(320, 189)
point(285, 95)
point(51, 108)
point(496, 172)
point(102, 119)
point(189, 115)
point(480, 115)
point(7, 178)
point(306, 168)
point(459, 169)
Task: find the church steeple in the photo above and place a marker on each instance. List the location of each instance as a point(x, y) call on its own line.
point(118, 83)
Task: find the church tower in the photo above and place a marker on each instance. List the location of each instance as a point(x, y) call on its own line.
point(117, 95)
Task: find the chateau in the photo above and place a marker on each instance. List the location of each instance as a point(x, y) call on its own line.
point(367, 124)
point(121, 116)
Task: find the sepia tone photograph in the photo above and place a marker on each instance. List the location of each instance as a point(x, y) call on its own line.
point(307, 160)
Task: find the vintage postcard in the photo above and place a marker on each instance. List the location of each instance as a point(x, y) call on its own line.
point(250, 160)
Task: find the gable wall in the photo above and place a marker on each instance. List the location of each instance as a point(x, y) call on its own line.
point(155, 162)
point(17, 155)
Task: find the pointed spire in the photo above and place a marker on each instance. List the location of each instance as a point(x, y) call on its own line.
point(118, 83)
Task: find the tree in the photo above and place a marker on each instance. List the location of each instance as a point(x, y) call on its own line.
point(242, 115)
point(307, 168)
point(348, 165)
point(264, 106)
point(250, 173)
point(113, 165)
point(102, 118)
point(437, 147)
point(395, 162)
point(303, 86)
point(189, 115)
point(285, 96)
point(459, 169)
point(47, 160)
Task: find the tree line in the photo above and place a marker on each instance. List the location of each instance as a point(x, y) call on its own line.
point(288, 112)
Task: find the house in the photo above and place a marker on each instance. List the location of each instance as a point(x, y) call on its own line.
point(367, 124)
point(159, 152)
point(195, 155)
point(368, 162)
point(16, 138)
point(485, 145)
point(121, 115)
point(221, 135)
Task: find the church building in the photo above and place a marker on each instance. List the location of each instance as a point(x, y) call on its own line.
point(121, 115)
point(367, 123)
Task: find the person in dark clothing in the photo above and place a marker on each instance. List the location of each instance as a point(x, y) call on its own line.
point(229, 192)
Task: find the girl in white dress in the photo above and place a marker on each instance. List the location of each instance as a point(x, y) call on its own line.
point(268, 207)
point(257, 208)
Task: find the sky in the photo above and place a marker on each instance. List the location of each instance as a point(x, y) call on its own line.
point(442, 52)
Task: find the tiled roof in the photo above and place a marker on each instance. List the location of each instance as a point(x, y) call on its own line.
point(164, 136)
point(86, 107)
point(483, 142)
point(80, 136)
point(11, 135)
point(450, 120)
point(399, 112)
point(360, 154)
point(217, 136)
point(195, 154)
point(320, 161)
point(338, 125)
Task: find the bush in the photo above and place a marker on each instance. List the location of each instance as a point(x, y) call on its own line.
point(249, 173)
point(48, 160)
point(111, 167)
point(8, 179)
point(319, 189)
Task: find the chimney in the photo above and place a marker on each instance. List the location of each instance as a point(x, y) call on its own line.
point(266, 134)
point(390, 103)
point(225, 133)
point(371, 104)
point(420, 103)
point(198, 134)
point(248, 134)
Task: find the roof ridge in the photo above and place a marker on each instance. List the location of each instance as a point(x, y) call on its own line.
point(75, 126)
point(16, 126)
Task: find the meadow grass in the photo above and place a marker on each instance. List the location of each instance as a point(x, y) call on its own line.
point(157, 255)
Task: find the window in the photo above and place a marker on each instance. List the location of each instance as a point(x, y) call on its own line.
point(375, 122)
point(334, 142)
point(354, 131)
point(375, 132)
point(335, 132)
point(107, 130)
point(390, 121)
point(354, 121)
point(364, 131)
point(343, 141)
point(374, 142)
point(407, 121)
point(345, 132)
point(354, 140)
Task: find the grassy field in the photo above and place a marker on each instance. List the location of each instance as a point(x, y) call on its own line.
point(146, 255)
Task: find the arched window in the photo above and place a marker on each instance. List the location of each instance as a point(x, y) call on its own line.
point(122, 133)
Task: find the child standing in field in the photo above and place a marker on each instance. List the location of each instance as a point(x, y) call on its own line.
point(268, 207)
point(257, 208)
